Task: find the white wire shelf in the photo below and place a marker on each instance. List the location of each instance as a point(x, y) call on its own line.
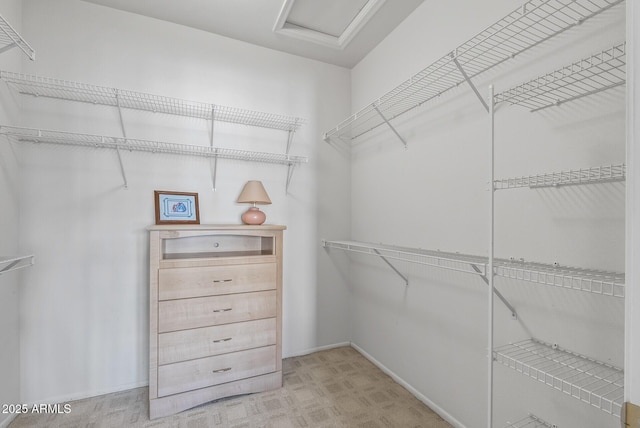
point(590, 381)
point(72, 91)
point(599, 72)
point(531, 24)
point(29, 135)
point(530, 421)
point(588, 280)
point(580, 279)
point(451, 261)
point(8, 264)
point(9, 38)
point(598, 174)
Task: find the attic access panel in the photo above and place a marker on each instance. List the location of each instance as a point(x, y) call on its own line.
point(331, 23)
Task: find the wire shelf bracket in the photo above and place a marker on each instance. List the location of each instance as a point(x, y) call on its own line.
point(528, 26)
point(9, 39)
point(124, 134)
point(384, 259)
point(291, 166)
point(599, 384)
point(470, 83)
point(402, 140)
point(530, 421)
point(7, 264)
point(214, 161)
point(514, 314)
point(598, 174)
point(588, 76)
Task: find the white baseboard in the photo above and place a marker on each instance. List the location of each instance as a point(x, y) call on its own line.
point(88, 394)
point(6, 422)
point(433, 406)
point(317, 349)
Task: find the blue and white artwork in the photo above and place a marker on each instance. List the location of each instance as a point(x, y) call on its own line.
point(177, 207)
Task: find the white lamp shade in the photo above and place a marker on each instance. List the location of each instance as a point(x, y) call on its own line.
point(254, 193)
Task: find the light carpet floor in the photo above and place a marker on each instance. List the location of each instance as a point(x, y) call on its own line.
point(334, 388)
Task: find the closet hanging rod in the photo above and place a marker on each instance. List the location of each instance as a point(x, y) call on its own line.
point(30, 135)
point(81, 92)
point(596, 174)
point(596, 73)
point(596, 383)
point(529, 25)
point(9, 38)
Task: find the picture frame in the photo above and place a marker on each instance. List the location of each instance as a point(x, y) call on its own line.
point(176, 207)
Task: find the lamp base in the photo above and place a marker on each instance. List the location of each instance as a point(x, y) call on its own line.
point(253, 216)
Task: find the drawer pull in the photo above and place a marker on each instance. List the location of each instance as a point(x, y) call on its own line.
point(222, 340)
point(216, 281)
point(223, 310)
point(222, 370)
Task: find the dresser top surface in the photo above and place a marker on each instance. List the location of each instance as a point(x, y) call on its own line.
point(217, 227)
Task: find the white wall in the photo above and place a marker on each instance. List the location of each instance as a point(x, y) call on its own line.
point(9, 195)
point(432, 334)
point(85, 308)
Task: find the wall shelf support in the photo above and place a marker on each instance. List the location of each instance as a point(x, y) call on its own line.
point(391, 126)
point(514, 315)
point(468, 80)
point(124, 134)
point(9, 39)
point(404, 278)
point(214, 169)
point(290, 169)
point(8, 264)
point(214, 161)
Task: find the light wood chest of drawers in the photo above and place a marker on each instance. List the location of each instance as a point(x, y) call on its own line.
point(215, 305)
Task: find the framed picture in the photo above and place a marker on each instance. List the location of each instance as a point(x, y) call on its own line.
point(176, 207)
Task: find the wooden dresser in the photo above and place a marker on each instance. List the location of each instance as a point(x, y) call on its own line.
point(215, 313)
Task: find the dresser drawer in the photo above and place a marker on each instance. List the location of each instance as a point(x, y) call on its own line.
point(185, 314)
point(221, 339)
point(180, 283)
point(203, 372)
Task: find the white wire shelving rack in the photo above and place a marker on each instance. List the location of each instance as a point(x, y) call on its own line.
point(598, 174)
point(9, 38)
point(530, 25)
point(530, 421)
point(596, 383)
point(124, 99)
point(8, 264)
point(38, 136)
point(81, 92)
point(574, 278)
point(588, 76)
point(586, 280)
point(588, 380)
point(440, 259)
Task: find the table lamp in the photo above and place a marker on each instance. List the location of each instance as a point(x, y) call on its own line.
point(254, 193)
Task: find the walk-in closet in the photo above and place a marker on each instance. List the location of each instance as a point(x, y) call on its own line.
point(451, 198)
